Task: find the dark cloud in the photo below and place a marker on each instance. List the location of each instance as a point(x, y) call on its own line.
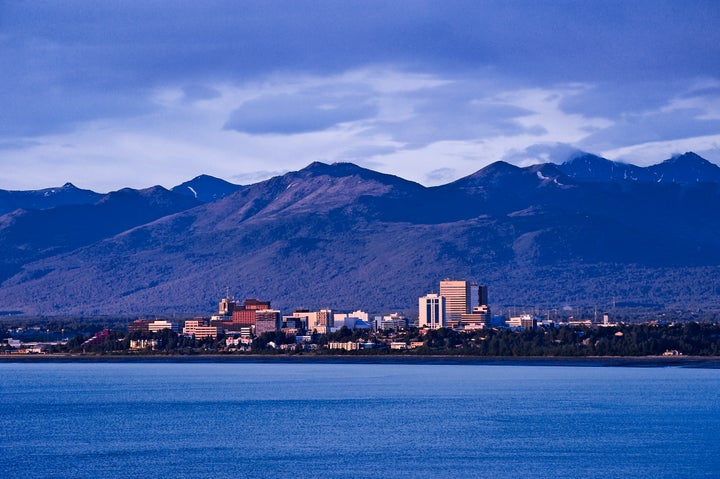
point(78, 50)
point(650, 127)
point(610, 100)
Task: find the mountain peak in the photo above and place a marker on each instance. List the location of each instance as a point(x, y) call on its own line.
point(335, 169)
point(589, 167)
point(688, 158)
point(206, 188)
point(686, 168)
point(346, 169)
point(495, 169)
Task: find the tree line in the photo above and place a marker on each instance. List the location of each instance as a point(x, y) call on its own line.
point(691, 339)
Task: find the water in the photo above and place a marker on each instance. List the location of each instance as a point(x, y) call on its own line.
point(252, 420)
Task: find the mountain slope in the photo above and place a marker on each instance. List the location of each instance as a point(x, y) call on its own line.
point(28, 235)
point(346, 237)
point(588, 167)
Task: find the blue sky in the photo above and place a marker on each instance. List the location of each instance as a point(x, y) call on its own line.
point(113, 94)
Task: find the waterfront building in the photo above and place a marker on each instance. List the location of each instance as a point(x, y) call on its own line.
point(144, 344)
point(431, 309)
point(347, 346)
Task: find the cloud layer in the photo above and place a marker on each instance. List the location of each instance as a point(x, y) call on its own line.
point(96, 92)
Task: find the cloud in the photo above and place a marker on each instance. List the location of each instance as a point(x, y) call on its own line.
point(463, 109)
point(76, 61)
point(252, 177)
point(648, 127)
point(654, 152)
point(302, 112)
point(541, 153)
point(423, 127)
point(197, 92)
point(441, 175)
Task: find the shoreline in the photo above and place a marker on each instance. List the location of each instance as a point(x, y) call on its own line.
point(702, 362)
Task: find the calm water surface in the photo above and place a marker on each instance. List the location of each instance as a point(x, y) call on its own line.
point(217, 420)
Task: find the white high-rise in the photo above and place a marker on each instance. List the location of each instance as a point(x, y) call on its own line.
point(431, 310)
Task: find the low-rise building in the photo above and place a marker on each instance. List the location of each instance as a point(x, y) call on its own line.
point(394, 321)
point(159, 325)
point(347, 346)
point(199, 329)
point(478, 319)
point(141, 325)
point(136, 344)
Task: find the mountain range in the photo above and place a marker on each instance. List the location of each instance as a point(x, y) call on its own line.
point(588, 232)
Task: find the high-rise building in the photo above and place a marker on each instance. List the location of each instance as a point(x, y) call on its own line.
point(483, 295)
point(266, 320)
point(457, 300)
point(431, 309)
point(325, 318)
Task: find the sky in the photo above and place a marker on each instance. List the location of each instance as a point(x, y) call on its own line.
point(137, 93)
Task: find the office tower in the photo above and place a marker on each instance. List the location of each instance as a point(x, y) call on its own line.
point(457, 300)
point(431, 309)
point(483, 295)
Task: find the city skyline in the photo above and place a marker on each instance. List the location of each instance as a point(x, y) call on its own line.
point(430, 91)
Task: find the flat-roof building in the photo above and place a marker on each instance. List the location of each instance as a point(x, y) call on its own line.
point(457, 300)
point(431, 309)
